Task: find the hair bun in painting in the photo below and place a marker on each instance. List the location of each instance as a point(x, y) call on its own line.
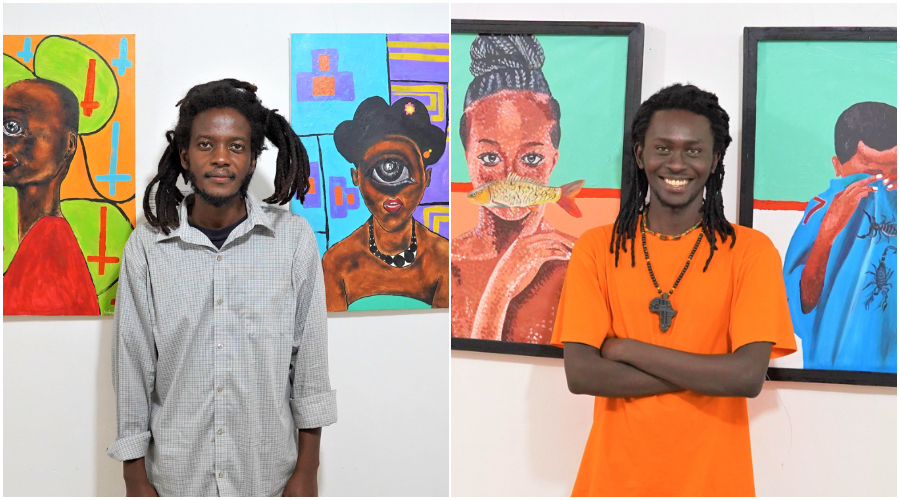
point(505, 62)
point(374, 120)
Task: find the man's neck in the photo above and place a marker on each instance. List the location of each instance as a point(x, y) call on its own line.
point(37, 201)
point(205, 215)
point(668, 220)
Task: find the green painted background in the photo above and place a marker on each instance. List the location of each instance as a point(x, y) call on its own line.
point(586, 75)
point(802, 88)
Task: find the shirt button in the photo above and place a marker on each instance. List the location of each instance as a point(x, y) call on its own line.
point(219, 302)
point(220, 432)
point(219, 346)
point(221, 474)
point(219, 389)
point(219, 258)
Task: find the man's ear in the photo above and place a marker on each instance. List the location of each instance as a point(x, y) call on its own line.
point(71, 145)
point(838, 168)
point(252, 165)
point(354, 176)
point(427, 176)
point(637, 150)
point(182, 154)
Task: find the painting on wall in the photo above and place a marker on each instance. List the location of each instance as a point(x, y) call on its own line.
point(68, 171)
point(819, 177)
point(372, 112)
point(537, 160)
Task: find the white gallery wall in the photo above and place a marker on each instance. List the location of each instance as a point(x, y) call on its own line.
point(516, 430)
point(391, 370)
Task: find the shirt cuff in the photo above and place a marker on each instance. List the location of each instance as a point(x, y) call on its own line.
point(317, 410)
point(130, 447)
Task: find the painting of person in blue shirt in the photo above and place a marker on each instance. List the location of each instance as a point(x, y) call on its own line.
point(840, 268)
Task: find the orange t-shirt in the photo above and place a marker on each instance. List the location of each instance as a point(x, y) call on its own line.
point(681, 443)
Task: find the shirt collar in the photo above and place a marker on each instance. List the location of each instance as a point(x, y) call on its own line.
point(256, 216)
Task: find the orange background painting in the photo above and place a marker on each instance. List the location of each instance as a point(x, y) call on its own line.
point(78, 182)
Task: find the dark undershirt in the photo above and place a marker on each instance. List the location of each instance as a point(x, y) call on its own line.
point(218, 236)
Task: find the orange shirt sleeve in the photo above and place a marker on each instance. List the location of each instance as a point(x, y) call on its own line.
point(583, 315)
point(760, 311)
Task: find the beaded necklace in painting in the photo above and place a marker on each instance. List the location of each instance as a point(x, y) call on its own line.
point(661, 305)
point(400, 260)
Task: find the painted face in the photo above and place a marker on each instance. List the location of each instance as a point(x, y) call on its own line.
point(218, 157)
point(868, 161)
point(509, 132)
point(392, 179)
point(677, 156)
point(37, 146)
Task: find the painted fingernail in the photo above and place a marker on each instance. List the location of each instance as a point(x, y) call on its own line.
point(878, 176)
point(886, 181)
point(891, 186)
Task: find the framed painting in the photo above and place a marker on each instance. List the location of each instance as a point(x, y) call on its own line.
point(542, 110)
point(372, 112)
point(68, 171)
point(819, 177)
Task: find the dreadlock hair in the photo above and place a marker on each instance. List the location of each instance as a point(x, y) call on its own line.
point(688, 98)
point(291, 166)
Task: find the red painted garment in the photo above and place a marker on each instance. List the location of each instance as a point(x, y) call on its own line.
point(48, 276)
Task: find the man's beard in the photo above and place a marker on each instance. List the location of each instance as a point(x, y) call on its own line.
point(220, 201)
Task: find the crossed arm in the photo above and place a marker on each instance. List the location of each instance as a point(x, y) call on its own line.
point(630, 368)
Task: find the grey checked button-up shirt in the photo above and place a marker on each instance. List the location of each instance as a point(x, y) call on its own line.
point(220, 355)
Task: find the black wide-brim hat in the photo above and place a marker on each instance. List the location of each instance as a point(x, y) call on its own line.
point(374, 120)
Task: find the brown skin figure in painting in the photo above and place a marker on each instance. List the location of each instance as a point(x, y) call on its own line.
point(391, 148)
point(351, 271)
point(677, 156)
point(508, 271)
point(880, 166)
point(38, 147)
point(219, 162)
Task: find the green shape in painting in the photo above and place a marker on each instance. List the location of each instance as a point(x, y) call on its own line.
point(586, 75)
point(383, 302)
point(84, 217)
point(69, 63)
point(13, 71)
point(107, 300)
point(802, 89)
point(10, 225)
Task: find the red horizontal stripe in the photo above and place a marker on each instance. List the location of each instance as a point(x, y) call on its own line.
point(779, 205)
point(465, 187)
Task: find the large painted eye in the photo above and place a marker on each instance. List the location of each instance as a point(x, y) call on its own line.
point(12, 128)
point(391, 172)
point(489, 159)
point(532, 159)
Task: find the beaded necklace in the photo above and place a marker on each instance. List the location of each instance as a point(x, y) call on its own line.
point(661, 305)
point(400, 260)
point(666, 237)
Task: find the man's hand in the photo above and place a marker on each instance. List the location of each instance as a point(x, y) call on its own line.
point(845, 203)
point(304, 481)
point(302, 484)
point(136, 482)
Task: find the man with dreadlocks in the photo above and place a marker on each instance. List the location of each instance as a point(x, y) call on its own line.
point(219, 347)
point(670, 349)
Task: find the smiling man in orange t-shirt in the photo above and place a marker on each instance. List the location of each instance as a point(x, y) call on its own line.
point(671, 347)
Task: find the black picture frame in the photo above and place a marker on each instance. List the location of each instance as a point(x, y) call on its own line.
point(752, 37)
point(634, 68)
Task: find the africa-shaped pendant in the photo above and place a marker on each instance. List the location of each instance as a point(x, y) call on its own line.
point(661, 306)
